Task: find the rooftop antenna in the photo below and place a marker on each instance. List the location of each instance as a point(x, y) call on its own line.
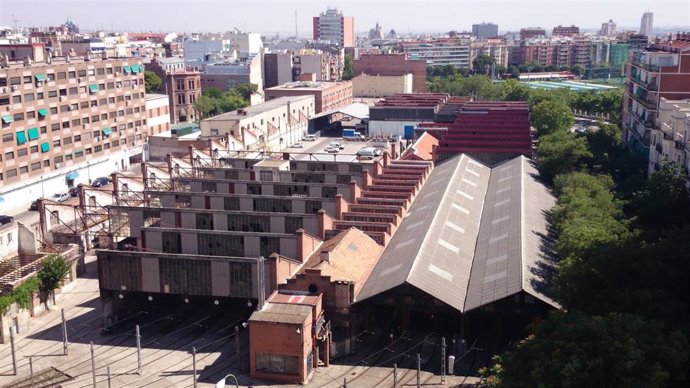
point(15, 21)
point(296, 35)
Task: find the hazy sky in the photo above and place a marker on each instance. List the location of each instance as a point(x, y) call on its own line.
point(269, 17)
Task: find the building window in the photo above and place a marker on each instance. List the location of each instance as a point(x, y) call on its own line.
point(35, 166)
point(24, 169)
point(276, 363)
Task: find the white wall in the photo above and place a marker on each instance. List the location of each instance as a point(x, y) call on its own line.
point(22, 194)
point(388, 128)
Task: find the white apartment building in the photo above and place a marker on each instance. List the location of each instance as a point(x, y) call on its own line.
point(670, 142)
point(275, 124)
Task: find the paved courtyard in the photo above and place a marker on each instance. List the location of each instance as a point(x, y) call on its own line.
point(167, 341)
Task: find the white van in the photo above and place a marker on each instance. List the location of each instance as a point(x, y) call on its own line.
point(366, 153)
point(310, 138)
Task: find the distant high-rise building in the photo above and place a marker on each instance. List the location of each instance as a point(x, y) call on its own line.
point(646, 24)
point(566, 31)
point(333, 27)
point(485, 30)
point(531, 32)
point(607, 28)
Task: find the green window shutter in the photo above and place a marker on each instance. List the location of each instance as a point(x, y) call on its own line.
point(21, 137)
point(127, 69)
point(33, 133)
point(43, 112)
point(45, 147)
point(107, 131)
point(40, 77)
point(93, 88)
point(7, 119)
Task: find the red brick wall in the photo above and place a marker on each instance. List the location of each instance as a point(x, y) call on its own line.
point(278, 338)
point(393, 64)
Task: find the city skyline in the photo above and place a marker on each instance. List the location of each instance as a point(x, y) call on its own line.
point(253, 18)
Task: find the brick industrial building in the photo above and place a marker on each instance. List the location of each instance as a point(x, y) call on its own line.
point(327, 95)
point(393, 65)
point(67, 120)
point(182, 85)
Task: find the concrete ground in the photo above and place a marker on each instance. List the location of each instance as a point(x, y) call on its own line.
point(167, 341)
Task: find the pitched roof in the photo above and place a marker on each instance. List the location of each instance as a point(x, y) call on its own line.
point(349, 256)
point(422, 149)
point(473, 236)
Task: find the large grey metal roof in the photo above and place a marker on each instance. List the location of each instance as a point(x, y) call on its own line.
point(472, 236)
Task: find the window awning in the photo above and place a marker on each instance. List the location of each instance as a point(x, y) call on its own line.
point(43, 112)
point(107, 131)
point(135, 68)
point(71, 175)
point(7, 119)
point(21, 137)
point(45, 147)
point(40, 77)
point(33, 133)
point(93, 88)
point(127, 69)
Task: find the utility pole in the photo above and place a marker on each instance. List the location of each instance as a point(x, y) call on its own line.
point(64, 333)
point(419, 367)
point(93, 365)
point(14, 355)
point(344, 382)
point(108, 372)
point(443, 360)
point(237, 348)
point(138, 334)
point(395, 375)
point(31, 371)
point(194, 365)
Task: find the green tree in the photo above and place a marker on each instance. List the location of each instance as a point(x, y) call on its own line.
point(53, 271)
point(573, 350)
point(151, 81)
point(205, 107)
point(246, 90)
point(514, 71)
point(348, 67)
point(212, 92)
point(560, 152)
point(664, 201)
point(513, 90)
point(577, 70)
point(482, 64)
point(551, 116)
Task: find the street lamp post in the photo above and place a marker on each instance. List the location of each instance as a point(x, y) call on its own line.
point(221, 383)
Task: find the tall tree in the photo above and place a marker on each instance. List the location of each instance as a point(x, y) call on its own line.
point(54, 269)
point(482, 64)
point(551, 116)
point(664, 201)
point(151, 81)
point(348, 67)
point(560, 152)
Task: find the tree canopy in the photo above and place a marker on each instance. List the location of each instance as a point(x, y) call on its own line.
point(152, 81)
point(551, 116)
point(214, 101)
point(348, 67)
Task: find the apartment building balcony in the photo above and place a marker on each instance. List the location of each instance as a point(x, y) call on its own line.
point(644, 100)
point(646, 66)
point(651, 85)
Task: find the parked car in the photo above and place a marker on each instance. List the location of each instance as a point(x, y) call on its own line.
point(297, 145)
point(331, 150)
point(337, 145)
point(73, 191)
point(5, 219)
point(98, 182)
point(309, 138)
point(61, 197)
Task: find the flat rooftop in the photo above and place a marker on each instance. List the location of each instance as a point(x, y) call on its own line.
point(306, 85)
point(258, 109)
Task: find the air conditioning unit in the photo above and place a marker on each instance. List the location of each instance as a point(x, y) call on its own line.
point(80, 80)
point(3, 90)
point(84, 126)
point(63, 98)
point(14, 88)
